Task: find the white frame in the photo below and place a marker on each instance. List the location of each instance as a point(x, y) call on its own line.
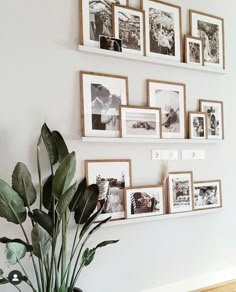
point(188, 40)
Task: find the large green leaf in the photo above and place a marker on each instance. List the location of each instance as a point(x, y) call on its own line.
point(86, 204)
point(49, 144)
point(6, 240)
point(43, 219)
point(64, 175)
point(80, 190)
point(11, 205)
point(99, 225)
point(14, 252)
point(1, 272)
point(61, 145)
point(105, 243)
point(65, 200)
point(47, 193)
point(22, 184)
point(41, 241)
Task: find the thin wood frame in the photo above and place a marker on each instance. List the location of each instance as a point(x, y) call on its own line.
point(186, 46)
point(190, 124)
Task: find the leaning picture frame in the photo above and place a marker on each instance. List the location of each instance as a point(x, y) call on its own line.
point(197, 125)
point(194, 53)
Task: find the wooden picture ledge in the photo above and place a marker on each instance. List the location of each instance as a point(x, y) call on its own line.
point(223, 287)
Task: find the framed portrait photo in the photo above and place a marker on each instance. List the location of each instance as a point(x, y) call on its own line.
point(128, 25)
point(111, 177)
point(96, 20)
point(102, 96)
point(210, 29)
point(215, 118)
point(194, 51)
point(140, 122)
point(197, 125)
point(110, 43)
point(207, 195)
point(171, 98)
point(163, 30)
point(180, 192)
point(144, 201)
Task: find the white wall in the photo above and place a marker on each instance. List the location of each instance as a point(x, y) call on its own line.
point(39, 80)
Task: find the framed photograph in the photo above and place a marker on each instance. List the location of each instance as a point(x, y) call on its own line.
point(163, 30)
point(128, 25)
point(180, 190)
point(194, 51)
point(102, 96)
point(112, 177)
point(140, 122)
point(215, 118)
point(110, 44)
point(96, 20)
point(197, 125)
point(210, 29)
point(207, 195)
point(144, 201)
point(171, 98)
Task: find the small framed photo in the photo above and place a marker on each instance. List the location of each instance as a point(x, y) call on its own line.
point(197, 125)
point(180, 190)
point(194, 51)
point(110, 44)
point(215, 118)
point(144, 201)
point(112, 177)
point(102, 95)
point(128, 25)
point(207, 195)
point(163, 30)
point(171, 98)
point(210, 29)
point(140, 122)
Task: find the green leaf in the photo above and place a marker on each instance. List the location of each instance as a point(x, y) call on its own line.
point(1, 272)
point(80, 190)
point(89, 222)
point(47, 193)
point(22, 184)
point(49, 144)
point(11, 205)
point(43, 219)
point(6, 240)
point(86, 204)
point(64, 175)
point(65, 200)
point(99, 225)
point(88, 256)
point(3, 281)
point(14, 252)
point(105, 243)
point(61, 145)
point(41, 241)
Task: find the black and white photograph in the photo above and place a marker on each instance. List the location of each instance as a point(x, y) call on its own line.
point(211, 30)
point(197, 125)
point(163, 29)
point(194, 51)
point(111, 177)
point(207, 195)
point(110, 43)
point(102, 96)
point(128, 25)
point(140, 122)
point(180, 190)
point(171, 98)
point(96, 20)
point(215, 118)
point(144, 201)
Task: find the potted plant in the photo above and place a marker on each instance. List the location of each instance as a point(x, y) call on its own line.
point(59, 197)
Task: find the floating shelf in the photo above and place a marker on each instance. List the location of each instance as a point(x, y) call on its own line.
point(133, 57)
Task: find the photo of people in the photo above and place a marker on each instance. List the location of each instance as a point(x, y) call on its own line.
point(197, 125)
point(110, 44)
point(194, 52)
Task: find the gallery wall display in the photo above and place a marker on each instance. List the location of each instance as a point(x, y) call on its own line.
point(194, 51)
point(197, 125)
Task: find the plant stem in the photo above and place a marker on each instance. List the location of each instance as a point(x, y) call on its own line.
point(39, 173)
point(24, 271)
point(63, 261)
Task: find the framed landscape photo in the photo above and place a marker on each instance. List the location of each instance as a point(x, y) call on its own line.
point(180, 191)
point(111, 177)
point(210, 29)
point(194, 51)
point(140, 122)
point(197, 125)
point(215, 118)
point(96, 20)
point(171, 98)
point(207, 195)
point(163, 30)
point(144, 201)
point(101, 97)
point(128, 25)
point(110, 43)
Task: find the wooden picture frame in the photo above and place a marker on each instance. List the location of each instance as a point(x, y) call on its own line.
point(195, 54)
point(197, 127)
point(101, 97)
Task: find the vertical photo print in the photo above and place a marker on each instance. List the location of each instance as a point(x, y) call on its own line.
point(194, 51)
point(197, 125)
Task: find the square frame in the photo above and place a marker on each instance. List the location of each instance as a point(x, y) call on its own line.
point(205, 131)
point(197, 41)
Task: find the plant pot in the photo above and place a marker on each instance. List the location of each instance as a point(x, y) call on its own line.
point(77, 290)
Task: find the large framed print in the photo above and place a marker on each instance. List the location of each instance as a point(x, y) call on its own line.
point(163, 30)
point(210, 29)
point(128, 25)
point(101, 97)
point(144, 201)
point(112, 177)
point(207, 195)
point(215, 118)
point(96, 20)
point(171, 98)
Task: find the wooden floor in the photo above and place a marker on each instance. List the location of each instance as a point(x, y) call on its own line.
point(225, 287)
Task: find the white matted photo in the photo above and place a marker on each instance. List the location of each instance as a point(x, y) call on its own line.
point(207, 195)
point(128, 25)
point(197, 125)
point(171, 98)
point(140, 122)
point(180, 191)
point(194, 51)
point(111, 177)
point(163, 30)
point(102, 96)
point(144, 201)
